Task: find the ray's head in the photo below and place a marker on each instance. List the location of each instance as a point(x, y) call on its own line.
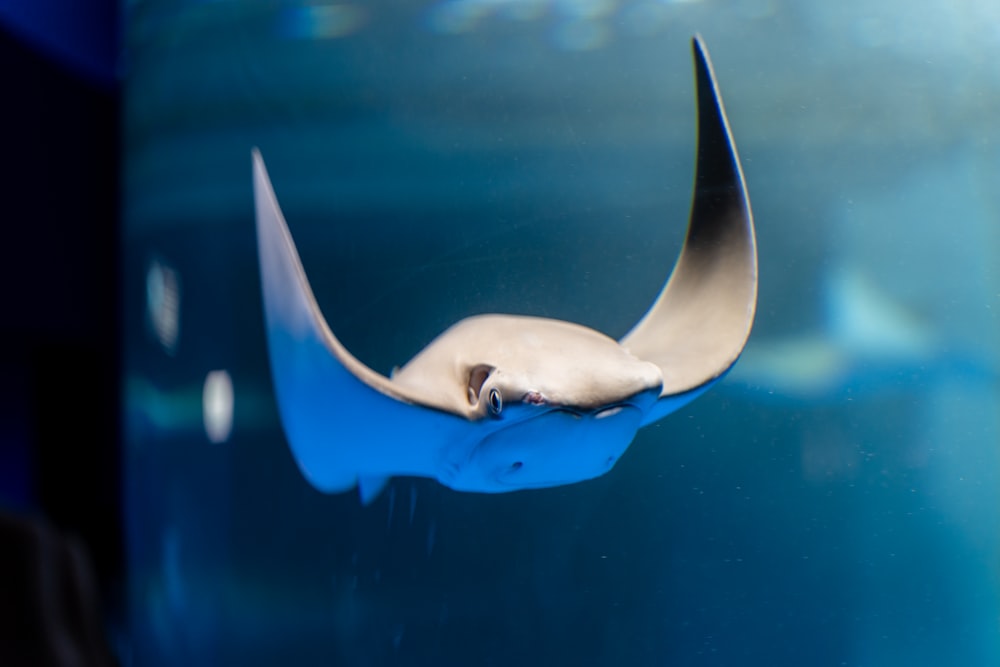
point(488, 366)
point(557, 402)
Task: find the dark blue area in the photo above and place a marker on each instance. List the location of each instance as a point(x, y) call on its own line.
point(17, 468)
point(80, 35)
point(59, 349)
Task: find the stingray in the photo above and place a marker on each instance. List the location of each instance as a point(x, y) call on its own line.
point(500, 403)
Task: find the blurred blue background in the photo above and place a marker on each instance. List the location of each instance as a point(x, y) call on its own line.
point(833, 502)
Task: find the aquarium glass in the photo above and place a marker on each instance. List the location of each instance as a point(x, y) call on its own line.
point(834, 501)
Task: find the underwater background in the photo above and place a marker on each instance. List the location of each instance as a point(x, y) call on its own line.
point(834, 501)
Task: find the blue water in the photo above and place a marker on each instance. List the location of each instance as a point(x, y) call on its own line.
point(833, 502)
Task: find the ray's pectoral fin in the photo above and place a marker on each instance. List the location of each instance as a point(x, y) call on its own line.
point(344, 422)
point(700, 322)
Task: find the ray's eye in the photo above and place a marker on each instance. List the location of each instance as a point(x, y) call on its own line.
point(496, 401)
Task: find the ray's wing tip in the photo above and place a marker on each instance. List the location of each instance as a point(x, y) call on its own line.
point(265, 200)
point(700, 50)
point(257, 161)
point(259, 169)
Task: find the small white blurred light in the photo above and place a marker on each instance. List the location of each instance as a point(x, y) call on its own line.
point(163, 304)
point(217, 406)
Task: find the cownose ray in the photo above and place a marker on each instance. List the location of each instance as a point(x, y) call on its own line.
point(506, 402)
